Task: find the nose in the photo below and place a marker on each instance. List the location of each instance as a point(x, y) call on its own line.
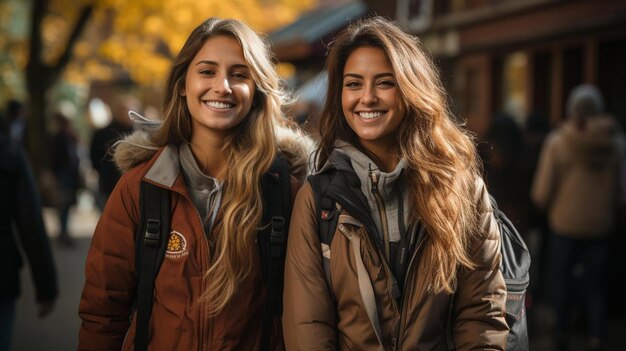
point(369, 95)
point(222, 86)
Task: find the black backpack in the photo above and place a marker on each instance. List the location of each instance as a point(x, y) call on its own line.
point(515, 268)
point(152, 237)
point(515, 263)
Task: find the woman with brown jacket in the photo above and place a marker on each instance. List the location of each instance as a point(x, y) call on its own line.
point(414, 260)
point(222, 129)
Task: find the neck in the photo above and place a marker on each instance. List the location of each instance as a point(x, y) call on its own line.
point(384, 154)
point(210, 154)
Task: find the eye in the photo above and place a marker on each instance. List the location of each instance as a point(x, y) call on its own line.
point(387, 83)
point(352, 84)
point(207, 72)
point(240, 75)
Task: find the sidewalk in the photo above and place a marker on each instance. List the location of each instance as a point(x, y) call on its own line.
point(83, 218)
point(58, 331)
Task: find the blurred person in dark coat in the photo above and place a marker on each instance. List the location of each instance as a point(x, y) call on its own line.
point(21, 224)
point(101, 143)
point(537, 128)
point(579, 184)
point(502, 155)
point(65, 167)
point(16, 117)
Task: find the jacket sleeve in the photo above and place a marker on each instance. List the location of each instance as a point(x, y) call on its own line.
point(105, 303)
point(480, 297)
point(543, 187)
point(32, 232)
point(309, 318)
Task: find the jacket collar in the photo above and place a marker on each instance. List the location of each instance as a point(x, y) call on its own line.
point(166, 167)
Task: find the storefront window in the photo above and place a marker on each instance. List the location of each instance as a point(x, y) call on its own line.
point(514, 89)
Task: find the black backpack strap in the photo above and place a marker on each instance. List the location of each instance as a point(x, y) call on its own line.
point(277, 206)
point(327, 218)
point(150, 246)
point(515, 267)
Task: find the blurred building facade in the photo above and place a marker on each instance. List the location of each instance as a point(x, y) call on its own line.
point(516, 56)
point(522, 56)
point(304, 42)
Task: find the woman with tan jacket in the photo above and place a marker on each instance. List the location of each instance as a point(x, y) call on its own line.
point(413, 261)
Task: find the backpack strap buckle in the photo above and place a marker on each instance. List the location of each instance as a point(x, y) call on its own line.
point(153, 232)
point(277, 237)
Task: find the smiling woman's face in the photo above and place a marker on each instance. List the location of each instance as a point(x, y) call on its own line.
point(370, 98)
point(219, 88)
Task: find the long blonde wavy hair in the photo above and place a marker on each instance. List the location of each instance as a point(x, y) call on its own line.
point(250, 148)
point(442, 165)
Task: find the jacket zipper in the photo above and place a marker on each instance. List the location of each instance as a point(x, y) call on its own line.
point(204, 265)
point(346, 203)
point(381, 209)
point(397, 343)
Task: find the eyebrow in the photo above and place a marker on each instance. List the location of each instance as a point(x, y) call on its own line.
point(213, 63)
point(379, 75)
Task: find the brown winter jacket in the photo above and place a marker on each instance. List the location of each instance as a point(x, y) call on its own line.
point(178, 320)
point(313, 321)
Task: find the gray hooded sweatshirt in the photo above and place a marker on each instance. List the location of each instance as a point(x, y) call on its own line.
point(382, 190)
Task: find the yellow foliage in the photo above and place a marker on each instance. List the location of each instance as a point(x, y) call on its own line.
point(86, 72)
point(18, 52)
point(145, 34)
point(285, 70)
point(53, 34)
point(139, 37)
point(82, 50)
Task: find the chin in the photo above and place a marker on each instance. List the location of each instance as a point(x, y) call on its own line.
point(369, 136)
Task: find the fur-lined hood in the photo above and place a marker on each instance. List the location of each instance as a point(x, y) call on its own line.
point(138, 146)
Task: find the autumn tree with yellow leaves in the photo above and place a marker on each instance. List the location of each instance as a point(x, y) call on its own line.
point(84, 40)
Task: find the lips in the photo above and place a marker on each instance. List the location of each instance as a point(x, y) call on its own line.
point(371, 114)
point(219, 105)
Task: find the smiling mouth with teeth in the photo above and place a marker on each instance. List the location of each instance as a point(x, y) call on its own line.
point(370, 115)
point(219, 105)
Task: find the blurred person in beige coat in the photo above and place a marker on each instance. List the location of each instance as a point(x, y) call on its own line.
point(579, 182)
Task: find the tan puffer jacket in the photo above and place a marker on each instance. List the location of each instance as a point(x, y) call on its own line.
point(361, 283)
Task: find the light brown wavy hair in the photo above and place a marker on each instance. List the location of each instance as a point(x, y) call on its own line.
point(251, 148)
point(442, 164)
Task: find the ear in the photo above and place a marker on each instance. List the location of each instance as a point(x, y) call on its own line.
point(183, 92)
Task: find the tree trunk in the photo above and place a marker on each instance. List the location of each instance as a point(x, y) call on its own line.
point(41, 77)
point(37, 133)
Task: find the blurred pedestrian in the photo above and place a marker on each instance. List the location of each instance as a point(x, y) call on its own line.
point(101, 143)
point(65, 167)
point(578, 184)
point(21, 224)
point(502, 155)
point(537, 128)
point(16, 117)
